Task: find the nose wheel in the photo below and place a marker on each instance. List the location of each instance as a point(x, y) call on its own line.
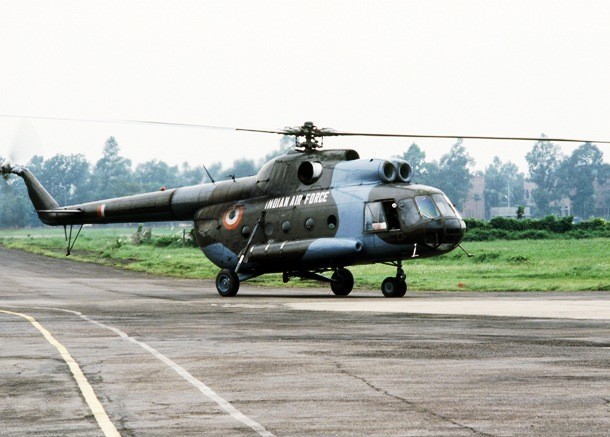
point(227, 283)
point(395, 286)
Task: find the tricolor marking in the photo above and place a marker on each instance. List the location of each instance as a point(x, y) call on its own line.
point(232, 217)
point(101, 210)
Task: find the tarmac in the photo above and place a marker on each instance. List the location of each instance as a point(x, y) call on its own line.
point(92, 350)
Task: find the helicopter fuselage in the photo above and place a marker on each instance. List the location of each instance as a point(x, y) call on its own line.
point(354, 216)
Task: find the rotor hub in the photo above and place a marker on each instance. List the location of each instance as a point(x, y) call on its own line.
point(311, 133)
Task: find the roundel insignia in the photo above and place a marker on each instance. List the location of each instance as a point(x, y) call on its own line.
point(232, 217)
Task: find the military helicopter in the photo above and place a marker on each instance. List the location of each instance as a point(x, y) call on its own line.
point(305, 213)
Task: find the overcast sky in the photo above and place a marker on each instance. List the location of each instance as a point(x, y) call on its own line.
point(486, 67)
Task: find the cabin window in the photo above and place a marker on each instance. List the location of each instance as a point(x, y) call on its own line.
point(381, 216)
point(374, 217)
point(269, 229)
point(309, 224)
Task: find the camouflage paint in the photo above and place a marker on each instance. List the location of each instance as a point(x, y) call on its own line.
point(313, 206)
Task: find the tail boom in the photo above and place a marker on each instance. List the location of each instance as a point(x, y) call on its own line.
point(158, 206)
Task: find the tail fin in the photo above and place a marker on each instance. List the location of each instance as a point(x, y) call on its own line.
point(40, 197)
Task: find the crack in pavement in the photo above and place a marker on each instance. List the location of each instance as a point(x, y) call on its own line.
point(411, 404)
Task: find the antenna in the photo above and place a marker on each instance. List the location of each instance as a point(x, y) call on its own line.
point(209, 175)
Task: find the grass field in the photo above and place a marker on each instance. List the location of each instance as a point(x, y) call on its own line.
point(523, 265)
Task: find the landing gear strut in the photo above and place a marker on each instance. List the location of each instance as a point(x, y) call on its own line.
point(341, 282)
point(395, 286)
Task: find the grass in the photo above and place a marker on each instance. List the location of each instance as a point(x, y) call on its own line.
point(523, 265)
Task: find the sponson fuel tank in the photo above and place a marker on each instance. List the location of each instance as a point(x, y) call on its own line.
point(306, 251)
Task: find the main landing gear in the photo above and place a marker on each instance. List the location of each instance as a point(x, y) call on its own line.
point(341, 281)
point(395, 286)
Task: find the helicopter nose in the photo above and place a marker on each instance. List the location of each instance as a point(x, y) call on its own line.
point(455, 229)
point(445, 231)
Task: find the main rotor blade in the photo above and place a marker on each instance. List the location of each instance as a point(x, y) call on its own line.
point(159, 123)
point(316, 133)
point(466, 137)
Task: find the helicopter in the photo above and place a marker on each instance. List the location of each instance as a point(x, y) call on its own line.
point(304, 214)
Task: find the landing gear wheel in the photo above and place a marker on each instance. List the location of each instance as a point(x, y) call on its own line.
point(227, 283)
point(393, 287)
point(402, 287)
point(343, 282)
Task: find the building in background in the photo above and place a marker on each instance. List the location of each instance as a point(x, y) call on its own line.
point(474, 206)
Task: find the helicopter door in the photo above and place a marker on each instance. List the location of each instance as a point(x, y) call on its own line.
point(381, 216)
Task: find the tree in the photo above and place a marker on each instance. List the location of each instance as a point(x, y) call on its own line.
point(578, 174)
point(425, 173)
point(242, 167)
point(15, 207)
point(64, 176)
point(416, 158)
point(192, 176)
point(544, 162)
point(503, 185)
point(453, 173)
point(112, 175)
point(286, 146)
point(152, 175)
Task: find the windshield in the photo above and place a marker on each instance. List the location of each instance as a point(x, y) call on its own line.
point(412, 210)
point(426, 206)
point(443, 205)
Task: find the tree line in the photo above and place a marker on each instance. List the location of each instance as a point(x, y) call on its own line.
point(555, 175)
point(71, 179)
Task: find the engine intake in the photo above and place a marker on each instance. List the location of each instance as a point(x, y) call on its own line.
point(364, 171)
point(404, 170)
point(309, 172)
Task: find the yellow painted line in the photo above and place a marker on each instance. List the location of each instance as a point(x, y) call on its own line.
point(207, 391)
point(96, 407)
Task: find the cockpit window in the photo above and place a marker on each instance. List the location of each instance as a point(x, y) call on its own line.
point(427, 207)
point(443, 205)
point(409, 212)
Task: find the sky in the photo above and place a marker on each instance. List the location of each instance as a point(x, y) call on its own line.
point(500, 68)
